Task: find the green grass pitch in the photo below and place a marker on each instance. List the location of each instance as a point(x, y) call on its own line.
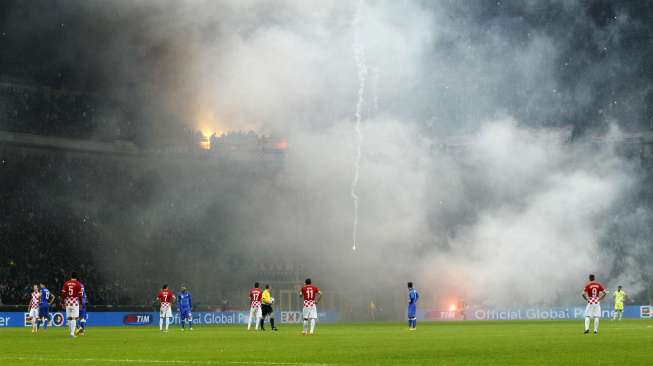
point(629, 342)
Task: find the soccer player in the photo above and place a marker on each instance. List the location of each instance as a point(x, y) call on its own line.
point(312, 296)
point(593, 293)
point(619, 297)
point(413, 296)
point(71, 295)
point(33, 308)
point(254, 306)
point(46, 300)
point(83, 317)
point(185, 304)
point(266, 307)
point(166, 298)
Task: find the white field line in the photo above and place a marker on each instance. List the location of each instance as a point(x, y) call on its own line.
point(137, 361)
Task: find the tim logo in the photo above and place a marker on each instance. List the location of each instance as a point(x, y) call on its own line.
point(137, 319)
point(646, 311)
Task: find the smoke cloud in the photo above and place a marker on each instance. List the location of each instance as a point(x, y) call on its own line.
point(478, 178)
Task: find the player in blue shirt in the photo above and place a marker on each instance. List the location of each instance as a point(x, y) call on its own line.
point(46, 299)
point(413, 296)
point(185, 305)
point(83, 317)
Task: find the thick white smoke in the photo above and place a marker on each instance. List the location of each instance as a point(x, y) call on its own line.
point(514, 216)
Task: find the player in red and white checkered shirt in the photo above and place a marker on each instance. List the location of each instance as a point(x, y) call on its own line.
point(71, 296)
point(312, 296)
point(33, 308)
point(166, 298)
point(593, 293)
point(255, 312)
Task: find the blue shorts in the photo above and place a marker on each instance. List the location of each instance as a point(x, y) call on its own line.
point(412, 310)
point(44, 311)
point(185, 313)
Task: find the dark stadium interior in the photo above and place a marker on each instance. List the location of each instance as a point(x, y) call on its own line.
point(144, 202)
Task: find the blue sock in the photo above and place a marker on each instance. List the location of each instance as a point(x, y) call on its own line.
point(410, 323)
point(190, 323)
point(83, 325)
point(414, 323)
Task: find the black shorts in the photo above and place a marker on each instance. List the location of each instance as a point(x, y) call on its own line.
point(266, 310)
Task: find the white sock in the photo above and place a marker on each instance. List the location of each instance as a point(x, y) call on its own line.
point(167, 322)
point(596, 324)
point(73, 325)
point(587, 323)
point(305, 325)
point(312, 325)
point(160, 323)
point(258, 322)
point(249, 321)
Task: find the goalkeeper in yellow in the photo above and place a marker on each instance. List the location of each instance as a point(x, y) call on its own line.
point(619, 298)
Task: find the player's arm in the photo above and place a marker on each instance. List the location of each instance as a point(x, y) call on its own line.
point(174, 299)
point(190, 302)
point(318, 297)
point(584, 295)
point(602, 294)
point(51, 299)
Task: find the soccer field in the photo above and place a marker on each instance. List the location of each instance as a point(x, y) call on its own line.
point(448, 343)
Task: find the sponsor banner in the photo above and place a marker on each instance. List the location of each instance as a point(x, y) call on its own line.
point(568, 313)
point(290, 317)
point(118, 318)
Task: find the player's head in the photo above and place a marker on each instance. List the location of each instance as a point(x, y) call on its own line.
point(74, 276)
point(42, 285)
point(307, 281)
point(267, 287)
point(592, 277)
point(256, 284)
point(619, 287)
point(35, 287)
point(183, 288)
point(410, 285)
point(164, 287)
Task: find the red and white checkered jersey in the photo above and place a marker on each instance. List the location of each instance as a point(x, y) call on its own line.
point(309, 292)
point(34, 301)
point(71, 293)
point(593, 292)
point(165, 297)
point(71, 301)
point(255, 297)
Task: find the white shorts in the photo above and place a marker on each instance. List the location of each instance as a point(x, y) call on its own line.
point(166, 312)
point(593, 310)
point(255, 311)
point(72, 311)
point(34, 314)
point(310, 312)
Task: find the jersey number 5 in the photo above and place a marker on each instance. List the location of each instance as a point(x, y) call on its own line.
point(70, 290)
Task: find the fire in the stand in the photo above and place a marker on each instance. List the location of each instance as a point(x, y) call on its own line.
point(205, 140)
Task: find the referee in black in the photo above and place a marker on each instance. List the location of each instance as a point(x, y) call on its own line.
point(266, 307)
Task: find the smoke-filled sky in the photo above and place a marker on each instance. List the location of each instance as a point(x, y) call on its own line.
point(520, 215)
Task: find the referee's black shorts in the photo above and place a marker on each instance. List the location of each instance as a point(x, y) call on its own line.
point(266, 310)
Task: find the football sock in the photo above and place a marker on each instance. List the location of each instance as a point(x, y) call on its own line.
point(183, 323)
point(410, 323)
point(167, 322)
point(45, 323)
point(73, 325)
point(305, 325)
point(262, 322)
point(249, 321)
point(587, 323)
point(596, 324)
point(414, 323)
point(312, 325)
point(272, 322)
point(190, 323)
point(258, 322)
point(161, 324)
point(83, 324)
